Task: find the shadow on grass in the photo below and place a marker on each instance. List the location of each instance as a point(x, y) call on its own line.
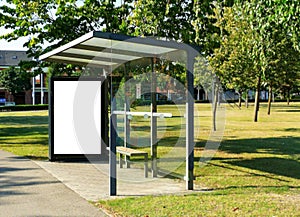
point(282, 145)
point(32, 141)
point(278, 166)
point(281, 166)
point(288, 110)
point(242, 189)
point(23, 131)
point(25, 135)
point(292, 130)
point(247, 172)
point(23, 120)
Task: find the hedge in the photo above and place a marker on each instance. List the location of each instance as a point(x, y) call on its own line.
point(24, 107)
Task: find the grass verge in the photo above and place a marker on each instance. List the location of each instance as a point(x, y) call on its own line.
point(255, 172)
point(25, 133)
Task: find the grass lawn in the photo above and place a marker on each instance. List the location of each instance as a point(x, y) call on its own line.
point(25, 133)
point(255, 172)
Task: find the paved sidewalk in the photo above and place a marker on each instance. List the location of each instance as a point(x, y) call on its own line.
point(28, 190)
point(91, 180)
point(43, 188)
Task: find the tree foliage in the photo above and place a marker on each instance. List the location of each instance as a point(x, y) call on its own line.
point(256, 46)
point(206, 32)
point(249, 43)
point(15, 80)
point(59, 21)
point(168, 19)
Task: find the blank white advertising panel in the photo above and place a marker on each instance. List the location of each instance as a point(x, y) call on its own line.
point(77, 119)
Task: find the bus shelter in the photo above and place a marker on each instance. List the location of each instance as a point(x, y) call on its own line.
point(106, 56)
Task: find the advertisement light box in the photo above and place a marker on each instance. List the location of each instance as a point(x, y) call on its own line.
point(75, 116)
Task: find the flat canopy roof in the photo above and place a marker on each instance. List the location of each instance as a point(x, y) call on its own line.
point(110, 49)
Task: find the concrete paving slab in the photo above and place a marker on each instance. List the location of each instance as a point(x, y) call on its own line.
point(91, 180)
point(28, 190)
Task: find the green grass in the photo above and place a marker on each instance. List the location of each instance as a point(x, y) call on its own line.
point(206, 204)
point(255, 172)
point(25, 133)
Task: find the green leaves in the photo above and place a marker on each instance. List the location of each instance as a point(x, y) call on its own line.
point(15, 80)
point(240, 37)
point(259, 44)
point(61, 21)
point(169, 19)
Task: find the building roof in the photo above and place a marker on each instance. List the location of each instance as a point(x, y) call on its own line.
point(12, 58)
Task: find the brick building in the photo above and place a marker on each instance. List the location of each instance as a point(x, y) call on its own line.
point(36, 95)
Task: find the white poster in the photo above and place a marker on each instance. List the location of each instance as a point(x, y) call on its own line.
point(77, 117)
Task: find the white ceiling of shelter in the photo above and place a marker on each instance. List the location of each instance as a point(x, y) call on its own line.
point(108, 49)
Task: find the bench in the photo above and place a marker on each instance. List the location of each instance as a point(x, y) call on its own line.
point(129, 152)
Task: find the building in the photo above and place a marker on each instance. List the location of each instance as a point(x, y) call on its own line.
point(36, 95)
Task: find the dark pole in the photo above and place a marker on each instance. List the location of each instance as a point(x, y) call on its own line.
point(153, 120)
point(112, 145)
point(190, 123)
point(126, 108)
point(104, 117)
point(51, 119)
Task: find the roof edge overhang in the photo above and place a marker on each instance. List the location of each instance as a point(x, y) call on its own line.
point(166, 46)
point(67, 46)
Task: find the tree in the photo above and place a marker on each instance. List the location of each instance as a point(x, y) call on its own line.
point(231, 61)
point(272, 22)
point(58, 22)
point(170, 20)
point(15, 80)
point(206, 32)
point(283, 68)
point(251, 34)
point(167, 19)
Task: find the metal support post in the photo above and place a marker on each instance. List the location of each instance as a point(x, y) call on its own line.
point(104, 116)
point(112, 146)
point(153, 138)
point(190, 124)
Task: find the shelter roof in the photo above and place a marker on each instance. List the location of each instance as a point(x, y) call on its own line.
point(110, 50)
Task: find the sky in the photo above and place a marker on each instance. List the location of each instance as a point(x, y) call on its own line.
point(18, 44)
point(13, 45)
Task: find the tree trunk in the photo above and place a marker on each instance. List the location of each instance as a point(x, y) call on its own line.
point(240, 99)
point(215, 105)
point(257, 96)
point(270, 100)
point(198, 93)
point(288, 97)
point(246, 100)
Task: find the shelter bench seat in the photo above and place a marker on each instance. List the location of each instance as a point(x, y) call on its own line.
point(129, 152)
